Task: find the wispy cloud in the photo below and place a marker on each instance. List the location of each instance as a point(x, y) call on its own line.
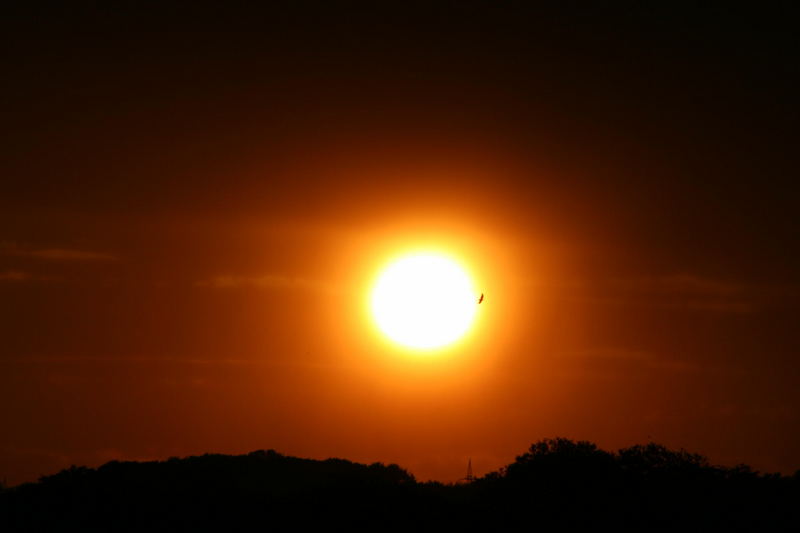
point(57, 254)
point(268, 281)
point(677, 291)
point(65, 254)
point(681, 284)
point(641, 358)
point(52, 361)
point(17, 276)
point(14, 275)
point(692, 292)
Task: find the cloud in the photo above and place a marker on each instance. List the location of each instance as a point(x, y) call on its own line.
point(65, 254)
point(268, 281)
point(15, 275)
point(692, 292)
point(641, 358)
point(18, 276)
point(614, 353)
point(58, 254)
point(52, 361)
point(682, 284)
point(676, 291)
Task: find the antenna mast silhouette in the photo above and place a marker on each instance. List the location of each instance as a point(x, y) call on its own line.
point(470, 478)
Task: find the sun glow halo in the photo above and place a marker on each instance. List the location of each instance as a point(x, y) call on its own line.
point(424, 301)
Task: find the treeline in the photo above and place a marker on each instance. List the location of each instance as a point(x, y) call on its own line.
point(644, 488)
point(556, 484)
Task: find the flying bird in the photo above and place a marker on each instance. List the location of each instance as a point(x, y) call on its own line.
point(481, 298)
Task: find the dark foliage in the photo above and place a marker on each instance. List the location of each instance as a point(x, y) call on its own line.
point(557, 483)
point(644, 487)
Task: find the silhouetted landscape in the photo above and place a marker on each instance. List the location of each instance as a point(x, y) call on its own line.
point(424, 233)
point(557, 483)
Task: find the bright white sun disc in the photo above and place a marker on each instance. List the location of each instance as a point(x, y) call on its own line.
point(424, 301)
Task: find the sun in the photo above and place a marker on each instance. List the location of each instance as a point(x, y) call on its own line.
point(424, 301)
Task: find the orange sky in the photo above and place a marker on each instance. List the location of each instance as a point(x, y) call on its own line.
point(194, 207)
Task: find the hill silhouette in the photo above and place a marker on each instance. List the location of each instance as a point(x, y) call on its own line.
point(556, 484)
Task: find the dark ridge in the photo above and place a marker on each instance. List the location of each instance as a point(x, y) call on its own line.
point(557, 483)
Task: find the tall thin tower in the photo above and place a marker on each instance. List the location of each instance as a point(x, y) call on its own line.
point(470, 478)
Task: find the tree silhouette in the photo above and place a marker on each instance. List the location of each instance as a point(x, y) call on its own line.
point(556, 484)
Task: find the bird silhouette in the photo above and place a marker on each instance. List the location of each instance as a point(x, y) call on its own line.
point(481, 298)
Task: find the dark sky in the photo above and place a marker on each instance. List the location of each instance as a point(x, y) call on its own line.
point(195, 198)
